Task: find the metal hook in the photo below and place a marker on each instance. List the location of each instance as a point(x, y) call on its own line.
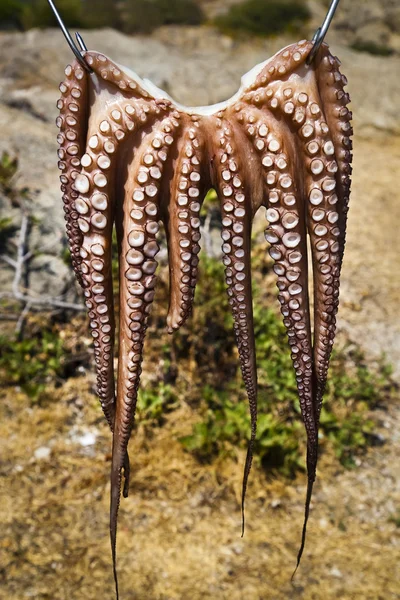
point(80, 41)
point(70, 40)
point(321, 32)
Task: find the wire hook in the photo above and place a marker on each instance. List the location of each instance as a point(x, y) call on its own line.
point(70, 40)
point(321, 32)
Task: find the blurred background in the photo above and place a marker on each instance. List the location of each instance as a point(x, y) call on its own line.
point(179, 531)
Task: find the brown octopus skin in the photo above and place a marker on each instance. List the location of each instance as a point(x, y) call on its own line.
point(133, 159)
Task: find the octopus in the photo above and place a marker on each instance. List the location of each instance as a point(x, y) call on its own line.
point(132, 157)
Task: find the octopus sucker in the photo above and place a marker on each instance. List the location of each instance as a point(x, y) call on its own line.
point(132, 158)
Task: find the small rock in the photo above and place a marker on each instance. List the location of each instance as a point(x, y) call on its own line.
point(323, 523)
point(237, 548)
point(336, 573)
point(42, 453)
point(87, 439)
point(83, 437)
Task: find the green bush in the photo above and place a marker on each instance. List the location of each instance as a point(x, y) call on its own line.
point(131, 16)
point(9, 12)
point(263, 17)
point(8, 169)
point(18, 197)
point(372, 48)
point(32, 363)
point(154, 402)
point(102, 13)
point(142, 16)
point(37, 13)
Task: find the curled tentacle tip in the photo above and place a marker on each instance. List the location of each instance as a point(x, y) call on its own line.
point(125, 491)
point(172, 328)
point(127, 472)
point(174, 322)
point(116, 587)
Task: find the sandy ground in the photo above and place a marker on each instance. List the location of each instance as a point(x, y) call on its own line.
point(370, 283)
point(179, 534)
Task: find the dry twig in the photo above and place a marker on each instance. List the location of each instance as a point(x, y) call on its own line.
point(17, 291)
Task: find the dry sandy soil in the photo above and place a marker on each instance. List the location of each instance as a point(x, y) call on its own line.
point(179, 534)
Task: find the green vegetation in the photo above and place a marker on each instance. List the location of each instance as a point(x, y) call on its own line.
point(264, 17)
point(395, 519)
point(18, 196)
point(130, 16)
point(7, 229)
point(142, 16)
point(154, 403)
point(32, 363)
point(8, 169)
point(353, 392)
point(372, 48)
point(9, 11)
point(37, 13)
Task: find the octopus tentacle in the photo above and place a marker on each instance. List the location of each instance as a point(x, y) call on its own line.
point(182, 224)
point(96, 207)
point(278, 69)
point(72, 123)
point(287, 235)
point(139, 248)
point(303, 109)
point(325, 225)
point(324, 231)
point(237, 215)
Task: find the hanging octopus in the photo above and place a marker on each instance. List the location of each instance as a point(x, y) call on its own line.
point(131, 156)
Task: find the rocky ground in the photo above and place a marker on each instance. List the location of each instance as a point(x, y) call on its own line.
point(179, 531)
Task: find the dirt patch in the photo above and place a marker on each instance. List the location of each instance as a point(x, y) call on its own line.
point(370, 283)
point(179, 532)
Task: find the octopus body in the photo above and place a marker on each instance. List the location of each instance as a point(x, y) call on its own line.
point(132, 157)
